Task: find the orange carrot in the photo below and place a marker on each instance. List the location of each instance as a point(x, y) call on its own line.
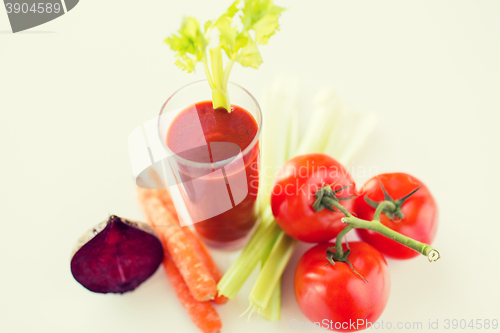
point(205, 256)
point(202, 314)
point(198, 278)
point(200, 248)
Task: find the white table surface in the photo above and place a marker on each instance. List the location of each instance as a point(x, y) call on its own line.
point(72, 90)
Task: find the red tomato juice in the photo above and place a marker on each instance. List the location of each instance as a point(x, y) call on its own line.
point(239, 128)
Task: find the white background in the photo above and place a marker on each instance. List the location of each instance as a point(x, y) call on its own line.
point(73, 89)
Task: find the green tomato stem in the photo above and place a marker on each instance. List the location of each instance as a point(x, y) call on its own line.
point(327, 201)
point(332, 202)
point(380, 208)
point(339, 251)
point(425, 249)
point(375, 225)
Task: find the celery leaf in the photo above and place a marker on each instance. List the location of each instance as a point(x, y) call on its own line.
point(189, 44)
point(249, 55)
point(262, 17)
point(228, 35)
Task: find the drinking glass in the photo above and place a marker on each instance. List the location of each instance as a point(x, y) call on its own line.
point(213, 182)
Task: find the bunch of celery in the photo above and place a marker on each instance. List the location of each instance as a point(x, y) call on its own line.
point(333, 130)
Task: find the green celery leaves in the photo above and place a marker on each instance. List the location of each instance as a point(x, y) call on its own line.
point(189, 44)
point(239, 32)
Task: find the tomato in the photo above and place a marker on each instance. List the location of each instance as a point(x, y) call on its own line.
point(420, 220)
point(294, 194)
point(336, 294)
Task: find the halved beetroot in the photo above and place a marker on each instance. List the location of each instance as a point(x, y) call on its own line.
point(116, 256)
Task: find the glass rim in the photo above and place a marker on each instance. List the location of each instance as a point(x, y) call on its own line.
point(221, 162)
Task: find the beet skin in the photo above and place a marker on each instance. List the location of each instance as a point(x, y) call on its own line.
point(116, 256)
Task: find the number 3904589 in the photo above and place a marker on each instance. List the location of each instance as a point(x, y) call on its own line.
point(474, 324)
point(37, 8)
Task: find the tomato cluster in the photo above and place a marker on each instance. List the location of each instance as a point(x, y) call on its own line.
point(350, 282)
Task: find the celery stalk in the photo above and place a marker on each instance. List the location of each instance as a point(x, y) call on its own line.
point(324, 116)
point(272, 312)
point(334, 129)
point(280, 106)
point(256, 250)
point(280, 110)
point(271, 272)
point(220, 97)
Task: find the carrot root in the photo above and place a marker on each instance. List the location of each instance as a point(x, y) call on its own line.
point(202, 314)
point(198, 245)
point(205, 256)
point(195, 273)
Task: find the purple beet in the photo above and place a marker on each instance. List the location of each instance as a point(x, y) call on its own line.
point(116, 256)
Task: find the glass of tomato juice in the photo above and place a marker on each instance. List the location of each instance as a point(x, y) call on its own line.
point(213, 161)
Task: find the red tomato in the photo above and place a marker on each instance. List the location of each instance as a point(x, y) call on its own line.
point(420, 213)
point(335, 295)
point(294, 193)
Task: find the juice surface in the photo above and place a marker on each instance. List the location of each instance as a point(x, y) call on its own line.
point(238, 127)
